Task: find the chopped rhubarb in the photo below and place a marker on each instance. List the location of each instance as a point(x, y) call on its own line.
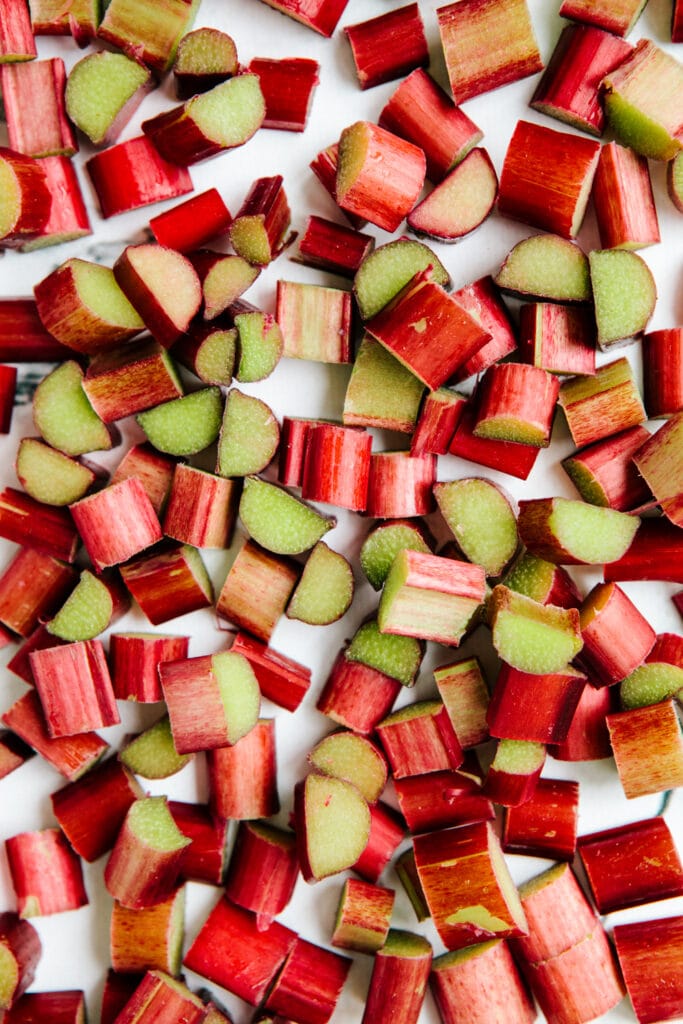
point(20, 951)
point(205, 57)
point(132, 174)
point(49, 131)
point(242, 783)
point(288, 87)
point(388, 46)
point(46, 873)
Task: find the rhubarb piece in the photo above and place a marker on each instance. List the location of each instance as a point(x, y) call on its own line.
point(543, 581)
point(624, 293)
point(8, 381)
point(332, 825)
point(384, 542)
point(309, 984)
point(262, 851)
point(466, 883)
point(23, 339)
point(132, 174)
point(381, 391)
point(93, 604)
point(293, 442)
point(91, 809)
point(422, 113)
point(330, 449)
point(659, 677)
point(187, 425)
point(212, 701)
point(604, 472)
point(152, 753)
point(388, 269)
point(399, 979)
point(169, 583)
point(631, 864)
point(514, 772)
point(249, 436)
point(204, 859)
point(463, 689)
point(128, 380)
point(26, 199)
point(259, 229)
point(72, 756)
point(20, 950)
point(204, 58)
point(439, 416)
point(547, 193)
point(46, 528)
point(74, 687)
point(81, 304)
point(427, 330)
point(674, 181)
point(663, 372)
point(256, 590)
point(573, 532)
point(557, 338)
point(224, 278)
point(419, 739)
point(407, 872)
point(379, 176)
point(435, 800)
point(570, 86)
point(460, 203)
point(325, 589)
point(208, 351)
point(331, 246)
point(315, 321)
point(618, 18)
point(32, 587)
point(281, 680)
point(470, 984)
point(118, 989)
point(395, 656)
point(68, 217)
point(41, 83)
point(63, 1007)
point(530, 636)
point(209, 123)
point(17, 42)
point(116, 523)
point(278, 521)
point(659, 462)
point(511, 52)
point(387, 832)
point(465, 504)
point(609, 615)
point(13, 752)
point(50, 476)
point(388, 46)
point(201, 508)
point(604, 404)
point(654, 554)
point(242, 783)
point(159, 995)
point(287, 86)
point(516, 402)
point(649, 957)
point(546, 267)
point(103, 92)
point(506, 456)
point(320, 15)
point(45, 872)
point(546, 824)
point(80, 20)
point(148, 34)
point(623, 199)
point(356, 695)
point(363, 916)
point(324, 166)
point(149, 938)
point(233, 952)
point(259, 342)
point(588, 736)
point(143, 866)
point(647, 748)
point(530, 707)
point(191, 224)
point(639, 98)
point(348, 756)
point(162, 286)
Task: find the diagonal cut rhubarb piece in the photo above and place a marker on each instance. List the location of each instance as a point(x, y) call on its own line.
point(103, 91)
point(332, 825)
point(278, 521)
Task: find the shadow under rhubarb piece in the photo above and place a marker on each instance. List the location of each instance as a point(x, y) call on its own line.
point(17, 41)
point(389, 268)
point(133, 174)
point(641, 98)
point(209, 123)
point(363, 916)
point(281, 680)
point(663, 371)
point(648, 748)
point(331, 449)
point(357, 695)
point(257, 589)
point(419, 739)
point(162, 285)
point(20, 952)
point(616, 635)
point(103, 91)
point(649, 955)
point(248, 438)
point(40, 82)
point(205, 57)
point(572, 532)
point(624, 295)
point(551, 191)
point(259, 230)
point(399, 979)
point(278, 521)
point(64, 417)
point(533, 637)
point(189, 225)
point(126, 381)
point(46, 873)
point(325, 588)
point(149, 938)
point(262, 851)
point(546, 825)
point(602, 405)
point(546, 267)
point(144, 32)
point(74, 686)
point(558, 338)
point(93, 605)
point(516, 402)
point(68, 218)
point(467, 885)
point(242, 778)
point(543, 581)
point(540, 708)
point(169, 583)
point(26, 199)
point(315, 321)
point(332, 825)
point(381, 392)
point(205, 858)
point(159, 994)
point(467, 503)
point(623, 199)
point(379, 175)
point(565, 940)
point(460, 202)
point(659, 677)
point(470, 984)
point(660, 463)
point(62, 1007)
point(116, 523)
point(32, 587)
point(604, 473)
point(388, 46)
point(50, 476)
point(201, 509)
point(230, 950)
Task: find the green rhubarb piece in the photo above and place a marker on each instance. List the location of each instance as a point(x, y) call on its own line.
point(86, 612)
point(103, 91)
point(335, 826)
point(624, 293)
point(349, 756)
point(588, 533)
point(64, 417)
point(518, 757)
point(533, 637)
point(387, 269)
point(325, 589)
point(239, 691)
point(151, 821)
point(49, 475)
point(546, 267)
point(481, 520)
point(381, 391)
point(278, 521)
point(224, 282)
point(231, 112)
point(215, 359)
point(651, 683)
point(531, 576)
point(260, 345)
point(184, 426)
point(152, 754)
point(383, 543)
point(398, 657)
point(406, 945)
point(206, 51)
point(249, 436)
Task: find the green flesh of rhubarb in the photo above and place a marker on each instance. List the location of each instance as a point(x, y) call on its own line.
point(207, 51)
point(381, 392)
point(86, 612)
point(531, 576)
point(229, 113)
point(518, 757)
point(591, 534)
point(345, 755)
point(10, 198)
point(152, 754)
point(260, 346)
point(9, 975)
point(99, 87)
point(387, 269)
point(184, 426)
point(216, 358)
point(533, 646)
point(325, 589)
point(278, 521)
point(151, 821)
point(51, 476)
point(398, 657)
point(546, 267)
point(651, 683)
point(405, 945)
point(240, 693)
point(633, 128)
point(382, 545)
point(585, 483)
point(481, 520)
point(337, 824)
point(249, 436)
point(63, 415)
point(98, 289)
point(624, 293)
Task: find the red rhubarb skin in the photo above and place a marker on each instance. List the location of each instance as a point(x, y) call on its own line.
point(16, 34)
point(156, 1001)
point(663, 372)
point(137, 875)
point(123, 382)
point(125, 504)
point(388, 46)
point(649, 955)
point(546, 178)
point(22, 941)
point(615, 17)
point(538, 708)
point(482, 300)
point(610, 409)
point(164, 585)
point(256, 590)
point(242, 778)
point(231, 951)
point(142, 940)
point(623, 199)
point(310, 983)
point(267, 202)
point(436, 424)
point(23, 338)
point(118, 988)
point(519, 392)
point(281, 680)
point(424, 743)
point(75, 688)
point(616, 636)
point(41, 82)
point(648, 748)
point(32, 587)
point(400, 485)
point(660, 462)
point(506, 456)
point(656, 553)
point(262, 872)
point(588, 736)
point(13, 752)
point(387, 832)
point(510, 789)
point(364, 907)
point(133, 174)
point(327, 245)
point(397, 988)
point(610, 465)
point(204, 859)
point(546, 825)
point(145, 286)
point(560, 339)
point(324, 166)
point(134, 661)
point(68, 213)
point(356, 695)
point(66, 1007)
point(154, 470)
point(46, 528)
point(336, 467)
point(288, 86)
point(320, 15)
point(46, 873)
point(91, 810)
point(201, 509)
point(465, 692)
point(33, 198)
point(441, 799)
point(193, 223)
point(195, 706)
point(482, 988)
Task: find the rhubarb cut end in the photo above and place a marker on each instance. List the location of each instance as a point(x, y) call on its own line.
point(151, 821)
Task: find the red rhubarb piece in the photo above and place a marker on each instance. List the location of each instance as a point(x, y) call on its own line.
point(32, 587)
point(315, 321)
point(27, 200)
point(388, 46)
point(168, 583)
point(13, 752)
point(663, 372)
point(242, 782)
point(616, 636)
point(23, 338)
point(75, 688)
point(16, 35)
point(259, 230)
point(656, 553)
point(650, 958)
point(67, 1007)
point(482, 300)
point(68, 218)
point(588, 736)
point(287, 86)
point(40, 83)
point(534, 707)
point(147, 939)
point(506, 456)
point(557, 338)
point(357, 695)
point(91, 810)
point(331, 451)
point(623, 199)
point(201, 509)
point(130, 379)
point(262, 851)
point(204, 859)
point(160, 996)
point(387, 832)
point(205, 57)
point(320, 15)
point(163, 287)
point(132, 174)
point(154, 470)
point(437, 800)
point(604, 473)
point(469, 985)
point(660, 463)
point(281, 680)
point(45, 872)
point(116, 523)
point(20, 949)
point(399, 979)
point(333, 247)
point(418, 739)
point(618, 18)
point(463, 688)
point(516, 402)
point(648, 748)
point(256, 590)
point(193, 223)
point(546, 825)
point(308, 987)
